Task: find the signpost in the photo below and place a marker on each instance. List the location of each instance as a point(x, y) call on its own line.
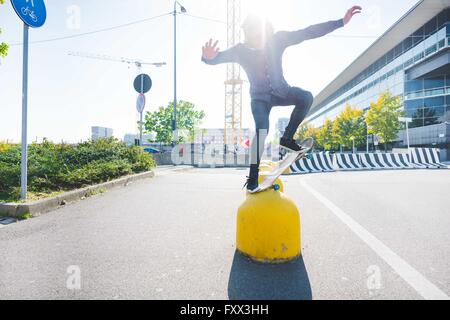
point(33, 14)
point(140, 106)
point(407, 121)
point(142, 84)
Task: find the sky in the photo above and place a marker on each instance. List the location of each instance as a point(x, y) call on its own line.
point(68, 95)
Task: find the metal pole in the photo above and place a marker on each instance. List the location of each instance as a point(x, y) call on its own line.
point(367, 138)
point(24, 160)
point(407, 134)
point(140, 114)
point(174, 125)
point(140, 130)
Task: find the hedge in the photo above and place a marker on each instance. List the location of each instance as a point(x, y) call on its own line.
point(60, 167)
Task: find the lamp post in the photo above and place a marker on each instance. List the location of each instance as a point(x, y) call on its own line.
point(353, 140)
point(174, 121)
point(407, 121)
point(367, 138)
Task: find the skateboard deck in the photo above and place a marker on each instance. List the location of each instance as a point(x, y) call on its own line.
point(269, 180)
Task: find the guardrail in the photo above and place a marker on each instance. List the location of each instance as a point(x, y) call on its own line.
point(419, 158)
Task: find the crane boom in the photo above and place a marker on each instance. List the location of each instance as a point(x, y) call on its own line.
point(138, 63)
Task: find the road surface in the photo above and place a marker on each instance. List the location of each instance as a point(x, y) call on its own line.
point(365, 235)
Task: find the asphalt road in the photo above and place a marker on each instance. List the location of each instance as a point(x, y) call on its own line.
point(365, 235)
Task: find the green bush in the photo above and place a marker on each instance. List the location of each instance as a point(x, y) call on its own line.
point(96, 172)
point(59, 167)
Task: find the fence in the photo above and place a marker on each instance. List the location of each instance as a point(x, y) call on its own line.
point(325, 162)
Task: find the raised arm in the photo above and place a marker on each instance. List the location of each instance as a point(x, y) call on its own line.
point(212, 54)
point(316, 31)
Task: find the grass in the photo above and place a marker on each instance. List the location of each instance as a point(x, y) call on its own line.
point(95, 192)
point(32, 196)
point(26, 216)
point(35, 196)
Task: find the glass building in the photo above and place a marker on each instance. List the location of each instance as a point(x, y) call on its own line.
point(411, 60)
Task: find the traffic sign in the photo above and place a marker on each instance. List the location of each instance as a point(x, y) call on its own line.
point(376, 140)
point(140, 103)
point(142, 83)
point(407, 120)
point(32, 12)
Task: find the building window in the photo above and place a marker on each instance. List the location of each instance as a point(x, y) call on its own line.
point(430, 27)
point(413, 104)
point(434, 112)
point(418, 57)
point(418, 36)
point(447, 100)
point(398, 50)
point(431, 50)
point(433, 102)
point(409, 62)
point(390, 56)
point(413, 86)
point(443, 18)
point(408, 43)
point(435, 82)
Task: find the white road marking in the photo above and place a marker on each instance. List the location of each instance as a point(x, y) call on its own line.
point(413, 277)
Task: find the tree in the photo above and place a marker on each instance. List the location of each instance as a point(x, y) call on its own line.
point(305, 131)
point(312, 132)
point(3, 46)
point(325, 136)
point(383, 117)
point(160, 122)
point(349, 127)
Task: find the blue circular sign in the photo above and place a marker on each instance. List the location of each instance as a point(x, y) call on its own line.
point(32, 12)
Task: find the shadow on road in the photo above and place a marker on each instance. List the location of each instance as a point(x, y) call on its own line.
point(254, 281)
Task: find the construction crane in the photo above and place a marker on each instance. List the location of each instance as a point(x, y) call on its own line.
point(138, 63)
point(233, 84)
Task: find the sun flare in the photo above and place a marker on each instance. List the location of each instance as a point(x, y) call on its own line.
point(271, 10)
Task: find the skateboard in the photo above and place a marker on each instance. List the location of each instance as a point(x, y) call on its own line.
point(290, 158)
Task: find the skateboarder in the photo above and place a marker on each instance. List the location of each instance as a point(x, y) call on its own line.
point(261, 58)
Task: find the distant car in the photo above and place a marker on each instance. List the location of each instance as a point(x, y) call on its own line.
point(152, 150)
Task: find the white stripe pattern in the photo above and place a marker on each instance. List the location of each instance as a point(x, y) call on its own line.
point(423, 158)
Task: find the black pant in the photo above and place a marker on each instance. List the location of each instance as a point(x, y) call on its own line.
point(261, 111)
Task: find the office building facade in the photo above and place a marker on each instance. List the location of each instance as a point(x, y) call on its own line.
point(101, 133)
point(411, 60)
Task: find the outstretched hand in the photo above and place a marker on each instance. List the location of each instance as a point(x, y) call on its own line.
point(210, 51)
point(351, 12)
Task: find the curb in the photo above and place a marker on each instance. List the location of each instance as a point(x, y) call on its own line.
point(36, 208)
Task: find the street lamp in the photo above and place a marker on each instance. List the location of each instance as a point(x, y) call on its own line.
point(367, 138)
point(407, 121)
point(353, 140)
point(174, 121)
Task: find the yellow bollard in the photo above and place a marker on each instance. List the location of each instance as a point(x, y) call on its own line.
point(269, 162)
point(262, 176)
point(287, 172)
point(268, 228)
point(265, 168)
